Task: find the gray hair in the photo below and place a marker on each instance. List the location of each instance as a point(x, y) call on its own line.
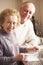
point(31, 5)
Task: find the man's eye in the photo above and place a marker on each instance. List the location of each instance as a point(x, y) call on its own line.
point(14, 23)
point(30, 12)
point(26, 10)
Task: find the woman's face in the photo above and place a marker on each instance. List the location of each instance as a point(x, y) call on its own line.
point(10, 23)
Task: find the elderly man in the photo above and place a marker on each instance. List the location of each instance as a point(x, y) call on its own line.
point(25, 32)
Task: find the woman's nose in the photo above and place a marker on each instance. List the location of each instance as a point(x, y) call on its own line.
point(11, 25)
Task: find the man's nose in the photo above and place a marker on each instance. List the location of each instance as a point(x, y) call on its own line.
point(28, 14)
point(11, 25)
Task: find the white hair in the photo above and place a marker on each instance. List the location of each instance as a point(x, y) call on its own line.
point(31, 6)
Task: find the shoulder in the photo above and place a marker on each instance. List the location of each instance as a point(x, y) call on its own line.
point(1, 35)
point(29, 24)
point(1, 32)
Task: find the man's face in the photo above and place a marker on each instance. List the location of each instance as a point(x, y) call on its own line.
point(9, 23)
point(26, 12)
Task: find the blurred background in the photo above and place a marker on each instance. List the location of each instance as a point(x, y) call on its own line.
point(38, 16)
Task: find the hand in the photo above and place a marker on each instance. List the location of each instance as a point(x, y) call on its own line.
point(31, 49)
point(35, 48)
point(19, 57)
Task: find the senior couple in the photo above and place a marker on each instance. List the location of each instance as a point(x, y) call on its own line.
point(17, 30)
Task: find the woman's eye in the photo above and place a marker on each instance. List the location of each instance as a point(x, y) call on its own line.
point(8, 22)
point(14, 23)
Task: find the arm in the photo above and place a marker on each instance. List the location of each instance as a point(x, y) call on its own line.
point(31, 38)
point(3, 59)
point(27, 49)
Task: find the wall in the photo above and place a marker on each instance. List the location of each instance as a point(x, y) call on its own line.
point(41, 13)
point(10, 4)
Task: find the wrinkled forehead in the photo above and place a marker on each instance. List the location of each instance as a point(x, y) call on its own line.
point(12, 18)
point(29, 6)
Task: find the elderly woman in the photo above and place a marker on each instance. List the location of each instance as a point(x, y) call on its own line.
point(9, 48)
